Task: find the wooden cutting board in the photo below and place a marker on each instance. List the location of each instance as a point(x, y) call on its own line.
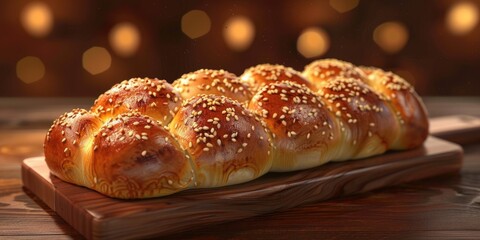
point(97, 216)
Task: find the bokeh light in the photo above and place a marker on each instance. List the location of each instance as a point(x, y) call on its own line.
point(96, 60)
point(125, 39)
point(239, 33)
point(36, 18)
point(195, 24)
point(462, 18)
point(313, 42)
point(343, 6)
point(30, 69)
point(391, 36)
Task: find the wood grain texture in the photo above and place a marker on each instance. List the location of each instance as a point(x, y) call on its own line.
point(97, 216)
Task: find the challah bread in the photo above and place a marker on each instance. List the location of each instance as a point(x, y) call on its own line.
point(303, 130)
point(146, 138)
point(226, 142)
point(264, 74)
point(208, 81)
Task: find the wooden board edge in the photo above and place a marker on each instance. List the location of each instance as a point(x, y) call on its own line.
point(461, 129)
point(44, 189)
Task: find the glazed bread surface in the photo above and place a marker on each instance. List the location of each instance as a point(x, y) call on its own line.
point(145, 137)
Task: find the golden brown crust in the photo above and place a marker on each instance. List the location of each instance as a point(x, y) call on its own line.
point(227, 143)
point(217, 82)
point(302, 128)
point(134, 156)
point(149, 96)
point(408, 109)
point(124, 149)
point(263, 74)
point(326, 69)
point(67, 144)
point(366, 122)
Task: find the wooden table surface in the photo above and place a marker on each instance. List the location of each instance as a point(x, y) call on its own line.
point(446, 207)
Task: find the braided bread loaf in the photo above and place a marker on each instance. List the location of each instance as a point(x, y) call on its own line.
point(146, 138)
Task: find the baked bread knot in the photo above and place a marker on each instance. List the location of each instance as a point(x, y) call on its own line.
point(150, 96)
point(325, 69)
point(226, 142)
point(406, 105)
point(217, 82)
point(135, 156)
point(68, 145)
point(367, 124)
point(303, 130)
point(264, 74)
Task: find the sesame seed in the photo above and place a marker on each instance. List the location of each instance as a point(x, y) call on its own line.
point(240, 150)
point(144, 153)
point(206, 149)
point(64, 140)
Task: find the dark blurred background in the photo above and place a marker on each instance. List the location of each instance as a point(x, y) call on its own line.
point(57, 48)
